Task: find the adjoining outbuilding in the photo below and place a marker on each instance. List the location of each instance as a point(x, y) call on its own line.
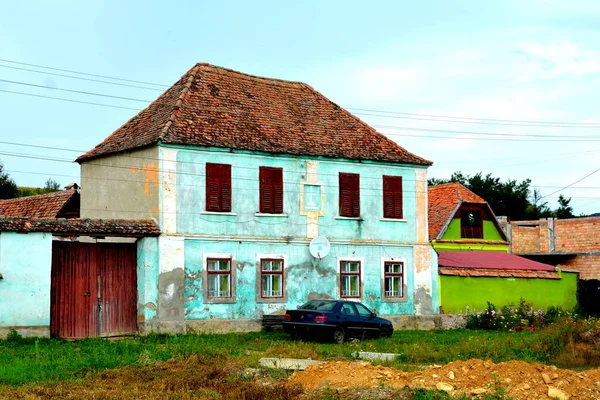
point(474, 264)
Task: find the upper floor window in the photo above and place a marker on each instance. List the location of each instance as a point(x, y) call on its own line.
point(392, 197)
point(219, 277)
point(393, 279)
point(218, 187)
point(349, 195)
point(471, 225)
point(271, 190)
point(271, 279)
point(350, 279)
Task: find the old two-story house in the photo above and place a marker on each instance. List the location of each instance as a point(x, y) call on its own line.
point(474, 264)
point(242, 173)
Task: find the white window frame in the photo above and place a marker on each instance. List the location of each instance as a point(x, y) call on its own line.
point(270, 256)
point(233, 266)
point(404, 297)
point(360, 278)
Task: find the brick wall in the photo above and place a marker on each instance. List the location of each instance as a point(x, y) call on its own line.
point(576, 235)
point(581, 235)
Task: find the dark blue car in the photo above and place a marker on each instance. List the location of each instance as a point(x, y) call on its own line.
point(337, 320)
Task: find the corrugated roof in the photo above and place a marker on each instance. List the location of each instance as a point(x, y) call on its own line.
point(497, 273)
point(443, 201)
point(489, 260)
point(212, 106)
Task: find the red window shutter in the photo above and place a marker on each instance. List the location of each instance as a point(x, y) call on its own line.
point(218, 187)
point(392, 197)
point(278, 191)
point(349, 195)
point(271, 190)
point(213, 187)
point(226, 187)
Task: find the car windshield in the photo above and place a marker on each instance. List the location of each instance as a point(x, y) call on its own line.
point(318, 305)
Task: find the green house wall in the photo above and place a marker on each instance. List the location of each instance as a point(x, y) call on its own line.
point(456, 292)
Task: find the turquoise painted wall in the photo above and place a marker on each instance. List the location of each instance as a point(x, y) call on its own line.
point(191, 218)
point(459, 292)
point(302, 278)
point(25, 263)
point(147, 270)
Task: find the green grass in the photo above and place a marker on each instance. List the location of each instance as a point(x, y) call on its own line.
point(24, 361)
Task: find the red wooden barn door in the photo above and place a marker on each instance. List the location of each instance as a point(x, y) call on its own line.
point(117, 281)
point(93, 290)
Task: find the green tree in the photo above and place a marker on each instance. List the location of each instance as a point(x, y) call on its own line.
point(51, 185)
point(538, 208)
point(564, 210)
point(508, 198)
point(8, 187)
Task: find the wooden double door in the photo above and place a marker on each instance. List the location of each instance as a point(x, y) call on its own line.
point(93, 289)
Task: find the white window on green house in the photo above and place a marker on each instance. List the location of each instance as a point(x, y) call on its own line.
point(393, 279)
point(271, 272)
point(350, 279)
point(219, 277)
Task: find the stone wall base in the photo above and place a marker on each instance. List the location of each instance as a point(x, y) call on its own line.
point(223, 325)
point(26, 331)
point(414, 322)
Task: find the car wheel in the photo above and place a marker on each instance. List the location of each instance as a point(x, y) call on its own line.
point(339, 336)
point(385, 333)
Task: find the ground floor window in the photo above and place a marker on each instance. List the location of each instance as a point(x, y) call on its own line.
point(219, 277)
point(350, 279)
point(393, 279)
point(271, 278)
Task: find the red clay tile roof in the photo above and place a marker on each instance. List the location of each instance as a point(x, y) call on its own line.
point(489, 260)
point(75, 226)
point(50, 205)
point(218, 107)
point(476, 272)
point(443, 201)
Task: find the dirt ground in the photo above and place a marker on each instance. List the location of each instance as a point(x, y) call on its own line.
point(519, 380)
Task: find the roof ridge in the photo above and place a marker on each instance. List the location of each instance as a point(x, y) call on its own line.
point(36, 196)
point(179, 102)
point(245, 74)
point(444, 184)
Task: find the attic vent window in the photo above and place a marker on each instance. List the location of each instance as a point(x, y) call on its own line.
point(470, 225)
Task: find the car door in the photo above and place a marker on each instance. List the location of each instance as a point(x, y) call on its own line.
point(351, 321)
point(368, 325)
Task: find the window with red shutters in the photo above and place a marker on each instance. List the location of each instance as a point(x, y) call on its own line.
point(271, 190)
point(392, 197)
point(218, 187)
point(349, 195)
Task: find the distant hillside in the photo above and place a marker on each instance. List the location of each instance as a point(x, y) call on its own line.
point(595, 215)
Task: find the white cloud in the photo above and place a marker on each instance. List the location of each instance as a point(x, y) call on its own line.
point(549, 61)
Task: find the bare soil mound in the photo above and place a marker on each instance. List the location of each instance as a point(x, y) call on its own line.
point(518, 379)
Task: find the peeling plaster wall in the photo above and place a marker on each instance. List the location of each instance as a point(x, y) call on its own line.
point(304, 278)
point(147, 279)
point(244, 233)
point(124, 185)
point(25, 263)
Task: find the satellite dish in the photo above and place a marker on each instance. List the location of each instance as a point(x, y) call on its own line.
point(319, 247)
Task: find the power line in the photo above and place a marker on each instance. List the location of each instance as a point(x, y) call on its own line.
point(516, 122)
point(82, 73)
point(568, 186)
point(68, 100)
point(80, 78)
point(75, 91)
point(436, 117)
point(538, 138)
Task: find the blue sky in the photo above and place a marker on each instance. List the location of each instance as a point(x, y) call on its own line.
point(510, 60)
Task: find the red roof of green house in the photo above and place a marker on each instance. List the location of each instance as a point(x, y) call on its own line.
point(212, 106)
point(443, 202)
point(62, 204)
point(489, 260)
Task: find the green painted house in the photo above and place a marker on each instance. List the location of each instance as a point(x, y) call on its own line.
point(474, 265)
